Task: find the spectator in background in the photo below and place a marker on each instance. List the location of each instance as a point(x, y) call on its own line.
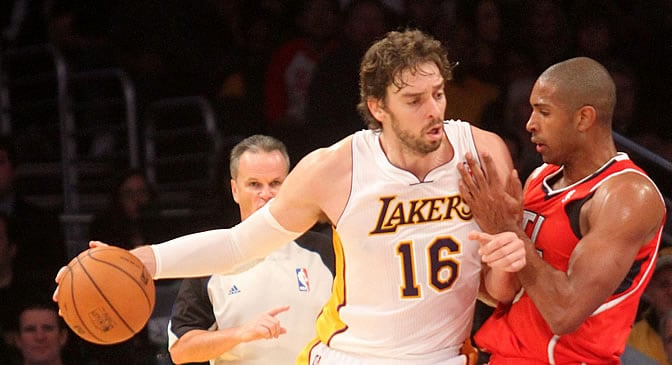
point(14, 287)
point(337, 74)
point(422, 14)
point(646, 335)
point(290, 72)
point(79, 31)
point(42, 336)
point(42, 251)
point(253, 34)
point(172, 48)
point(474, 95)
point(487, 61)
point(593, 32)
point(121, 223)
point(666, 331)
point(23, 23)
point(508, 115)
point(127, 222)
point(223, 211)
point(627, 111)
point(545, 35)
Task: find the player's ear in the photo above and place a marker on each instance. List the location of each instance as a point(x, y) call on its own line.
point(234, 190)
point(585, 117)
point(376, 108)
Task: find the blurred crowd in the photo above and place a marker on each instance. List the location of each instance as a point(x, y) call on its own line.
point(289, 68)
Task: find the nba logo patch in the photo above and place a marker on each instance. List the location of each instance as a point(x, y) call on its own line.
point(302, 279)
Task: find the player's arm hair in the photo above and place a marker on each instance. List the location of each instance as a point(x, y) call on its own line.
point(221, 251)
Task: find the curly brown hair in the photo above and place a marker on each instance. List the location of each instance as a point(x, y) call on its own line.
point(386, 59)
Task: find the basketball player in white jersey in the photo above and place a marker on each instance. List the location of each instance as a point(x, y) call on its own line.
point(407, 276)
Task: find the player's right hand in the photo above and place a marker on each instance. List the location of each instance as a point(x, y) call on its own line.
point(505, 251)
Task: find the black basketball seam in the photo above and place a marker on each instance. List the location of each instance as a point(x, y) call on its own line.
point(74, 303)
point(101, 292)
point(140, 284)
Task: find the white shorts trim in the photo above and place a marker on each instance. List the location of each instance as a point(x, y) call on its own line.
point(324, 355)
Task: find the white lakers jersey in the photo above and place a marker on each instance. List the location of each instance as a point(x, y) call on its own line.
point(406, 275)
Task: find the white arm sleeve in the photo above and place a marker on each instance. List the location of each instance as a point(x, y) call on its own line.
point(221, 251)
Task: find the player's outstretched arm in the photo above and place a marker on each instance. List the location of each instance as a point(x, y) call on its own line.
point(210, 252)
point(302, 201)
point(203, 345)
point(299, 204)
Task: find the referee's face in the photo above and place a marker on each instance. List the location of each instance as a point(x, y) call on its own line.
point(259, 178)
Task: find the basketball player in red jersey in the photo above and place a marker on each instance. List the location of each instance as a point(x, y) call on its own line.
point(591, 221)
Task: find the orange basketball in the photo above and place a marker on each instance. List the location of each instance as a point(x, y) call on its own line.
point(106, 295)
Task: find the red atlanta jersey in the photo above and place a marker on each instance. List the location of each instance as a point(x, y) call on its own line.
point(518, 333)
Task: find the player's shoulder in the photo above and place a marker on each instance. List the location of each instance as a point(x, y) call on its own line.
point(631, 182)
point(493, 144)
point(484, 138)
point(328, 161)
point(628, 191)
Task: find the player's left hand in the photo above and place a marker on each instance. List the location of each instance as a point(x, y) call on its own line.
point(496, 207)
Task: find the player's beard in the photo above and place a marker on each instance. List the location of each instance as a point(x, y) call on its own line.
point(417, 143)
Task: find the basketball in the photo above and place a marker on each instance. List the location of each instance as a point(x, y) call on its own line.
point(106, 295)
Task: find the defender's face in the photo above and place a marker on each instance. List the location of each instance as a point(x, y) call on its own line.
point(415, 112)
point(550, 124)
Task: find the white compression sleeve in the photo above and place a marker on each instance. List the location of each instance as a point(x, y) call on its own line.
point(221, 251)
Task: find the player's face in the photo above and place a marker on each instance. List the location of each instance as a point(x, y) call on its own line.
point(259, 178)
point(40, 338)
point(550, 124)
point(414, 113)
